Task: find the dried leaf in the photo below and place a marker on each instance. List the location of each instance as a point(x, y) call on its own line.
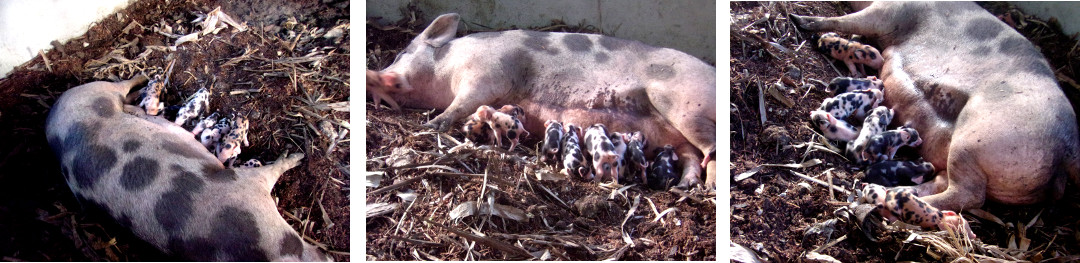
point(471, 208)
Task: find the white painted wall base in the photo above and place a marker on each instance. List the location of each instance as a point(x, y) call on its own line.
point(27, 26)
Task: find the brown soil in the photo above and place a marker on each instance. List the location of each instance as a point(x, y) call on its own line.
point(772, 212)
point(441, 179)
point(39, 218)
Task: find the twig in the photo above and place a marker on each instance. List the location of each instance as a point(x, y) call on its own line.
point(682, 193)
point(761, 102)
point(500, 245)
point(823, 183)
point(46, 59)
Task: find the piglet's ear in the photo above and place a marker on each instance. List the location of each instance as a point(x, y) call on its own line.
point(948, 213)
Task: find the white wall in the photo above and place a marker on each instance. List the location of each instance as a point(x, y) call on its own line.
point(27, 26)
point(685, 25)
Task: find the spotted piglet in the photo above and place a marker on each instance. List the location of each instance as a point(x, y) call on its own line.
point(851, 52)
point(153, 177)
point(601, 151)
point(150, 96)
point(662, 175)
point(874, 124)
point(477, 130)
point(229, 147)
point(856, 103)
point(891, 173)
point(514, 111)
point(883, 146)
point(635, 156)
point(831, 127)
point(841, 85)
point(552, 136)
point(502, 125)
point(893, 204)
point(193, 107)
point(573, 159)
point(619, 140)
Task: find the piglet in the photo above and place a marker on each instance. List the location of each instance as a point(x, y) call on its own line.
point(515, 111)
point(891, 173)
point(883, 146)
point(635, 156)
point(662, 175)
point(193, 107)
point(846, 84)
point(553, 135)
point(477, 130)
point(150, 96)
point(832, 128)
point(874, 124)
point(894, 204)
point(605, 161)
point(381, 85)
point(502, 125)
point(154, 178)
point(229, 147)
point(856, 103)
point(573, 159)
point(619, 140)
point(851, 52)
point(204, 124)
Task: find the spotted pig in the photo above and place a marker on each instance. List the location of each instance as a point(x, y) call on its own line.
point(549, 150)
point(515, 111)
point(893, 204)
point(883, 146)
point(477, 130)
point(666, 94)
point(856, 103)
point(573, 158)
point(847, 84)
point(983, 98)
point(891, 173)
point(873, 125)
point(832, 128)
point(635, 156)
point(150, 96)
point(229, 147)
point(154, 178)
point(600, 151)
point(850, 52)
point(193, 107)
point(502, 125)
point(662, 174)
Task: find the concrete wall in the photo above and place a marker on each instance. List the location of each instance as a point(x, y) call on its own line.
point(1065, 12)
point(685, 25)
point(27, 26)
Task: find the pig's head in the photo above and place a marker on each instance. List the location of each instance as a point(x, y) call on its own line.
point(606, 164)
point(573, 130)
point(910, 136)
point(415, 65)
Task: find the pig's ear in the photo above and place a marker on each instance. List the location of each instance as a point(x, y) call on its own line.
point(441, 30)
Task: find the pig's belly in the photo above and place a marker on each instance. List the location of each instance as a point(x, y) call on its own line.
point(998, 115)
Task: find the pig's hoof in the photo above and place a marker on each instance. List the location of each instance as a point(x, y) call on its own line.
point(804, 22)
point(438, 125)
point(689, 181)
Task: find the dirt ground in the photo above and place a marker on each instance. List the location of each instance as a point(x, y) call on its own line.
point(288, 73)
point(426, 179)
point(783, 217)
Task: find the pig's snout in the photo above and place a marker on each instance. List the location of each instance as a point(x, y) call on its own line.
point(395, 82)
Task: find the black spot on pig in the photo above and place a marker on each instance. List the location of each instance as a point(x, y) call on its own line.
point(1018, 47)
point(227, 175)
point(236, 233)
point(174, 207)
point(607, 147)
point(577, 42)
point(91, 162)
point(511, 134)
point(138, 172)
point(601, 57)
point(982, 29)
point(538, 41)
point(613, 44)
point(104, 107)
point(291, 245)
point(659, 72)
point(131, 146)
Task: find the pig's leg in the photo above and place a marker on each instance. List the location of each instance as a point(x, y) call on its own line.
point(470, 94)
point(267, 175)
point(690, 160)
point(966, 181)
point(875, 20)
